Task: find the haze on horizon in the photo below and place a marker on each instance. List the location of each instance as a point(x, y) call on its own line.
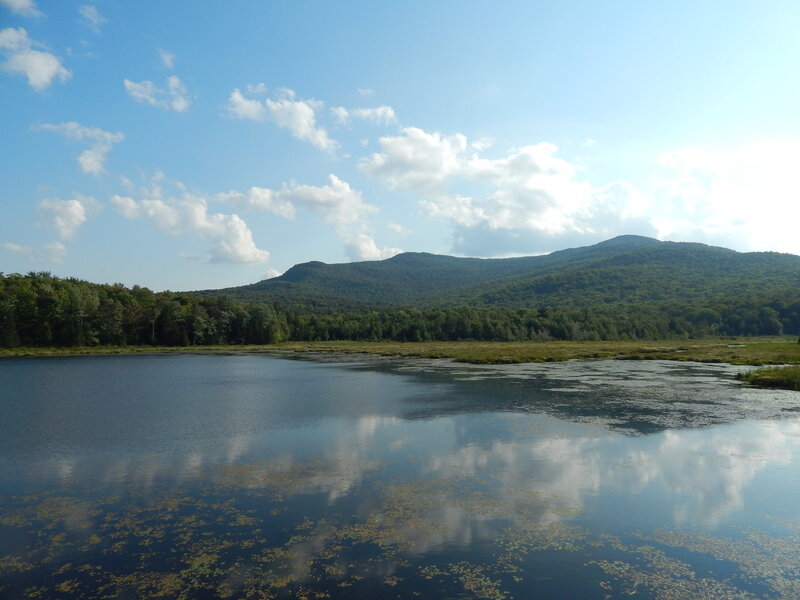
point(181, 146)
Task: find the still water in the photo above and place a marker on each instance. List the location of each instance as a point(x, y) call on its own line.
point(266, 477)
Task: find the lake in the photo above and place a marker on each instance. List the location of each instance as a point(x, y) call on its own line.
point(256, 476)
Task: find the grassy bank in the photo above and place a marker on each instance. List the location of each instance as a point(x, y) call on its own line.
point(744, 351)
point(109, 350)
point(786, 378)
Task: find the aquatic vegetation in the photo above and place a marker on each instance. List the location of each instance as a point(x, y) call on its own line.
point(787, 378)
point(743, 351)
point(219, 541)
point(441, 496)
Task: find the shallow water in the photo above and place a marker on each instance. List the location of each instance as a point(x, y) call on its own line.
point(263, 477)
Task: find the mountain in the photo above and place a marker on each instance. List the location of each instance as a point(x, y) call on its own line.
point(624, 269)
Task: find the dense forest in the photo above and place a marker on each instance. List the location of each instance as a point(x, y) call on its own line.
point(629, 287)
point(626, 269)
point(39, 309)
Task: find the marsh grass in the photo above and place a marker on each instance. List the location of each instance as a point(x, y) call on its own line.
point(742, 351)
point(218, 541)
point(786, 378)
point(747, 351)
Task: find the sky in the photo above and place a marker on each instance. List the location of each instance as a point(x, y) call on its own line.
point(191, 145)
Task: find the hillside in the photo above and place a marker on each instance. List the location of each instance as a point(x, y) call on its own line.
point(624, 269)
point(627, 288)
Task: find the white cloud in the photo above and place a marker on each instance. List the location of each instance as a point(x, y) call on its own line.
point(49, 253)
point(91, 160)
point(397, 228)
point(521, 200)
point(342, 206)
point(258, 198)
point(417, 161)
point(11, 246)
point(382, 115)
point(40, 67)
point(361, 246)
point(233, 240)
point(91, 17)
point(259, 89)
point(167, 58)
point(26, 8)
point(365, 91)
point(340, 114)
point(161, 214)
point(66, 216)
point(529, 189)
point(340, 203)
point(379, 115)
point(482, 144)
point(747, 195)
point(174, 97)
point(188, 214)
point(240, 107)
point(298, 116)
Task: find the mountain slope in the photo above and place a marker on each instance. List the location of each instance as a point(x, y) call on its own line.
point(623, 269)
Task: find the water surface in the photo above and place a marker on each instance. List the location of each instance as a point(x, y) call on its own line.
point(262, 477)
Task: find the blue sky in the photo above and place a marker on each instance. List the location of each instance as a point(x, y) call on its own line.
point(184, 145)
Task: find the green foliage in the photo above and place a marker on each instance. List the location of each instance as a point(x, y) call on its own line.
point(628, 288)
point(38, 309)
point(627, 269)
point(787, 378)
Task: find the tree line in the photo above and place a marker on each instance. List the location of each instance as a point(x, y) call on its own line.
point(39, 309)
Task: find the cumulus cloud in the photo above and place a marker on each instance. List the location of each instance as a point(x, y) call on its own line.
point(91, 160)
point(531, 200)
point(66, 216)
point(233, 240)
point(257, 89)
point(26, 8)
point(341, 205)
point(517, 203)
point(49, 253)
point(240, 107)
point(161, 214)
point(339, 202)
point(174, 97)
point(399, 229)
point(286, 111)
point(530, 188)
point(259, 198)
point(361, 246)
point(379, 115)
point(188, 214)
point(91, 17)
point(731, 196)
point(417, 161)
point(167, 58)
point(40, 67)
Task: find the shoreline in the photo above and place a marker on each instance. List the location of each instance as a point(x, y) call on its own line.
point(738, 351)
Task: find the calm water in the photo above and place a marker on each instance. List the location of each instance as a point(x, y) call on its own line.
point(264, 477)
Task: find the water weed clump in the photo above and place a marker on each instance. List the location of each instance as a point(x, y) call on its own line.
point(226, 540)
point(786, 378)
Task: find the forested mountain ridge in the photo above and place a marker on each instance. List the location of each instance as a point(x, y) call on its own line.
point(625, 288)
point(625, 269)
